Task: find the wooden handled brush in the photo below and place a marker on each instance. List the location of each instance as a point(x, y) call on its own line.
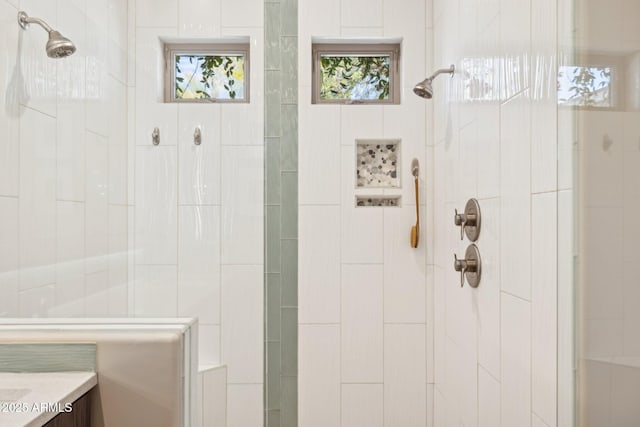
point(415, 230)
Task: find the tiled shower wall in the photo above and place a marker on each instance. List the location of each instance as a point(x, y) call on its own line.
point(281, 216)
point(497, 137)
point(63, 156)
point(198, 210)
point(364, 360)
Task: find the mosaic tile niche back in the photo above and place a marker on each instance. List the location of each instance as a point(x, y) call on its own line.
point(378, 201)
point(377, 163)
point(377, 167)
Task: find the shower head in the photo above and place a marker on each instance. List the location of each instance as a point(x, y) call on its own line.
point(58, 46)
point(424, 89)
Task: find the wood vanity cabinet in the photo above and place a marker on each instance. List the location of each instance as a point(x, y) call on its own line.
point(78, 417)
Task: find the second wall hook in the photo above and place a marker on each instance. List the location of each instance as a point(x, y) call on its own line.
point(197, 136)
point(155, 136)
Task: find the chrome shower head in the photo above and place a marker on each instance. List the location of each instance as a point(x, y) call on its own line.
point(58, 46)
point(424, 89)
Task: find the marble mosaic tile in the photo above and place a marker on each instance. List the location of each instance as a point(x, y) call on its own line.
point(385, 201)
point(377, 163)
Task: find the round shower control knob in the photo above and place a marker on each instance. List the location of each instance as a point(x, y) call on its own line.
point(469, 221)
point(469, 267)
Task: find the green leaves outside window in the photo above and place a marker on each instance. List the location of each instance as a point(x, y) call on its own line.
point(357, 72)
point(207, 72)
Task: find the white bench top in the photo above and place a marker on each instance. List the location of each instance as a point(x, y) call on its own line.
point(33, 399)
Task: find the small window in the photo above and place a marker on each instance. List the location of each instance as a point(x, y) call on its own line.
point(207, 72)
point(594, 83)
point(356, 73)
point(585, 86)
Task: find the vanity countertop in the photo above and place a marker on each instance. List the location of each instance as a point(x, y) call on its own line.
point(33, 399)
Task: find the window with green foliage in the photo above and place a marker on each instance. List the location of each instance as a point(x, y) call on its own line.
point(585, 86)
point(593, 82)
point(207, 73)
point(356, 73)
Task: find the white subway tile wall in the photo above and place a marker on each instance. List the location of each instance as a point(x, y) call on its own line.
point(362, 405)
point(81, 185)
point(319, 379)
point(362, 289)
point(319, 264)
point(198, 232)
point(99, 222)
point(242, 320)
point(70, 271)
point(362, 324)
point(544, 307)
point(497, 142)
point(488, 399)
point(405, 375)
point(516, 390)
point(244, 405)
point(9, 257)
point(214, 396)
point(64, 162)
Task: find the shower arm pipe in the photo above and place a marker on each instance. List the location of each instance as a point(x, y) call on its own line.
point(25, 20)
point(449, 70)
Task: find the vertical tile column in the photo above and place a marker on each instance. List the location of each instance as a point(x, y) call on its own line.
point(281, 212)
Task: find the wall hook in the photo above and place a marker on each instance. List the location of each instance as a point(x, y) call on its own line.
point(197, 136)
point(155, 136)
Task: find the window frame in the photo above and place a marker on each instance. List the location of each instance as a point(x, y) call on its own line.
point(616, 63)
point(393, 50)
point(211, 49)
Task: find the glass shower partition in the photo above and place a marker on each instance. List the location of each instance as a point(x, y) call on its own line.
point(601, 88)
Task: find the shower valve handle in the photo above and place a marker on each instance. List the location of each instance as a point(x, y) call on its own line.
point(463, 220)
point(460, 221)
point(461, 266)
point(470, 267)
point(469, 220)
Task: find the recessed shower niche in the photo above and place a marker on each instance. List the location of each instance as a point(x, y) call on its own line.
point(378, 163)
point(377, 201)
point(378, 167)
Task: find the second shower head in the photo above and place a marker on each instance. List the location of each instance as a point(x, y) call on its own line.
point(424, 89)
point(58, 46)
